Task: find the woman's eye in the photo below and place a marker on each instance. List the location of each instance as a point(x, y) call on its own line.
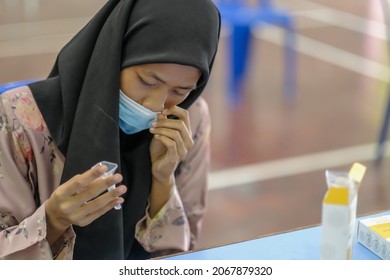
point(179, 94)
point(146, 83)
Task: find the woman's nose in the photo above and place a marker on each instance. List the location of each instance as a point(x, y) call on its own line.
point(155, 101)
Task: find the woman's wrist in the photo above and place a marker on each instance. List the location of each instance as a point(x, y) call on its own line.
point(160, 194)
point(54, 228)
point(164, 183)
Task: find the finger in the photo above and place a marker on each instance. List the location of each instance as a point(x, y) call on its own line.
point(95, 205)
point(161, 117)
point(172, 153)
point(178, 125)
point(98, 187)
point(175, 124)
point(181, 114)
point(175, 136)
point(70, 206)
point(100, 211)
point(79, 182)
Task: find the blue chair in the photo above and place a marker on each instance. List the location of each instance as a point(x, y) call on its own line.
point(383, 134)
point(11, 85)
point(241, 18)
point(380, 151)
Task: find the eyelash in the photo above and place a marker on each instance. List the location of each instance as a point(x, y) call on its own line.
point(153, 85)
point(145, 83)
point(178, 94)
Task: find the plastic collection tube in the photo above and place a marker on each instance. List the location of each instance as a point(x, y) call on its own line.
point(111, 168)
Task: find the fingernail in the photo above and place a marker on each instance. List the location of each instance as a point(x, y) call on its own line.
point(117, 178)
point(102, 168)
point(123, 189)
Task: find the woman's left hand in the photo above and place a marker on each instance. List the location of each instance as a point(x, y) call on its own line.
point(171, 142)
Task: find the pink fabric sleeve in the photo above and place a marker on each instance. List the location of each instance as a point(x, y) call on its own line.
point(177, 225)
point(30, 168)
point(27, 240)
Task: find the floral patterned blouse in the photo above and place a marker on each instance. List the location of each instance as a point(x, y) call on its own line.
point(31, 167)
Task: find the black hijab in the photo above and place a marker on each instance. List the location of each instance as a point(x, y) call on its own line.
point(80, 101)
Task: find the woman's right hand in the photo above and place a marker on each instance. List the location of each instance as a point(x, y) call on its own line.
point(80, 201)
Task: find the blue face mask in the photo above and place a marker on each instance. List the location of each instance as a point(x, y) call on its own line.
point(134, 117)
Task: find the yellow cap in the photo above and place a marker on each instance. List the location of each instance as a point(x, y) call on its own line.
point(357, 172)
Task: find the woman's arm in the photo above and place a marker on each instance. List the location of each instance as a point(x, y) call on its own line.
point(30, 168)
point(177, 224)
point(24, 142)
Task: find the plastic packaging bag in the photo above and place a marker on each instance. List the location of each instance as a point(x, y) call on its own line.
point(339, 212)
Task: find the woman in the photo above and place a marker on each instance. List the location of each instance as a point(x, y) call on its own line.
point(125, 89)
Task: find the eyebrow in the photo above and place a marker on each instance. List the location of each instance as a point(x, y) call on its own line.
point(154, 75)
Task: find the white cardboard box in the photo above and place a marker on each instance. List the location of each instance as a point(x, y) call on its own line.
point(339, 213)
point(338, 223)
point(374, 233)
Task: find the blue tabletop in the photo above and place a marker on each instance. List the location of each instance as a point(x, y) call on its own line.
point(302, 244)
